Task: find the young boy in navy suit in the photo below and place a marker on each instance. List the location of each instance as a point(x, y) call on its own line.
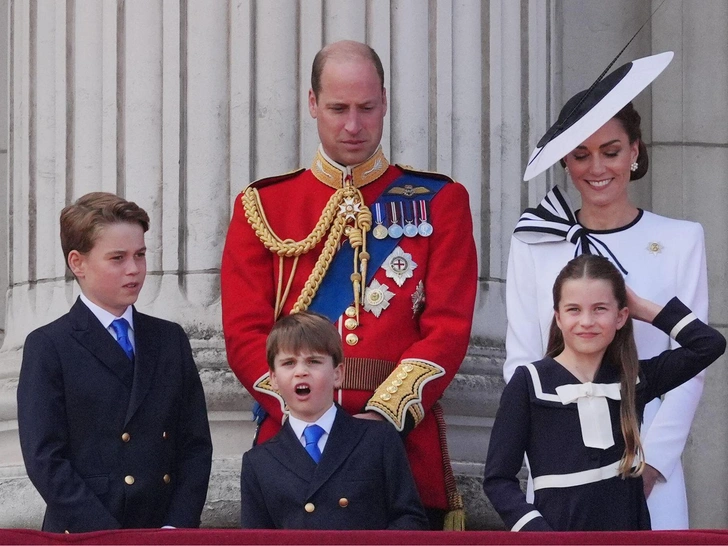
point(111, 413)
point(324, 469)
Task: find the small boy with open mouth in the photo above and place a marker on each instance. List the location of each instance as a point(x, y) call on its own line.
point(325, 469)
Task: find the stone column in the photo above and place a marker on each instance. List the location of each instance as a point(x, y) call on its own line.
point(690, 151)
point(4, 143)
point(132, 98)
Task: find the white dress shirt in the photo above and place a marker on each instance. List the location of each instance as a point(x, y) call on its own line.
point(106, 318)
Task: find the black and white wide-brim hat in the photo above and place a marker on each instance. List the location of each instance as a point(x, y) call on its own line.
point(588, 110)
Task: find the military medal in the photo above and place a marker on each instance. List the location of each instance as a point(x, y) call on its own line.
point(399, 266)
point(410, 230)
point(395, 230)
point(376, 298)
point(379, 231)
point(424, 227)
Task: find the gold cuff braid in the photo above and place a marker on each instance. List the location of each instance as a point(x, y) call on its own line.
point(402, 391)
point(263, 385)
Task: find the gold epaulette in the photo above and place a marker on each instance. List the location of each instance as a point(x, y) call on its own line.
point(263, 182)
point(401, 392)
point(428, 174)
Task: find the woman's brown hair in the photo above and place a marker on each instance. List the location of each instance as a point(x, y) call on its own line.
point(621, 352)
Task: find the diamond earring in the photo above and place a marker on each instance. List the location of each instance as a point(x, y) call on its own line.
point(634, 166)
point(566, 170)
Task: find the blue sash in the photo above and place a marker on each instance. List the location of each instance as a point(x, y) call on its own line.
point(335, 293)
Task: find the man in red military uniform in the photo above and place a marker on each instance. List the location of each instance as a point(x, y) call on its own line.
point(385, 252)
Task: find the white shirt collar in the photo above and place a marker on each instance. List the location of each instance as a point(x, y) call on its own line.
point(326, 421)
point(342, 168)
point(345, 168)
point(106, 318)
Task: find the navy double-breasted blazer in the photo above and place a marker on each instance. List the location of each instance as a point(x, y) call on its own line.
point(363, 481)
point(109, 443)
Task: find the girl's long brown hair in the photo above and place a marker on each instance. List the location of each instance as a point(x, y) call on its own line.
point(621, 352)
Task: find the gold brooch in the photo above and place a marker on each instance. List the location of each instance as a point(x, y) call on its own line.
point(654, 248)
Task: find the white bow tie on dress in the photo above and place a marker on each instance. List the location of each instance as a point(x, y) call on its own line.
point(591, 400)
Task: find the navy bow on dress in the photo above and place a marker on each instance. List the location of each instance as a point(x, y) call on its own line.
point(554, 220)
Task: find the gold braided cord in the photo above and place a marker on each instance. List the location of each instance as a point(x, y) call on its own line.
point(364, 220)
point(257, 220)
point(334, 221)
point(281, 298)
point(279, 289)
point(322, 265)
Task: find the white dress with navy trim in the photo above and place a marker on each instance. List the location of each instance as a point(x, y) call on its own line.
point(577, 487)
point(663, 257)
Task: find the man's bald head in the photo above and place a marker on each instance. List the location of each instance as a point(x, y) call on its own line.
point(344, 50)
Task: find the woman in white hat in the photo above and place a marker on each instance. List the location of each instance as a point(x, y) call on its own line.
point(598, 140)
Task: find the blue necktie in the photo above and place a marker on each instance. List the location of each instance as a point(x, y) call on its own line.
point(312, 434)
point(121, 328)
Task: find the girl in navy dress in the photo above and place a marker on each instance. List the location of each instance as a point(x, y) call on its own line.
point(575, 413)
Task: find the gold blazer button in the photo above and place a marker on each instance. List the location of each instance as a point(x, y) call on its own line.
point(167, 478)
point(309, 507)
point(129, 480)
point(343, 502)
point(125, 437)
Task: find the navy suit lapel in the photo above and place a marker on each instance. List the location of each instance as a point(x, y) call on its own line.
point(288, 451)
point(90, 333)
point(344, 437)
point(146, 356)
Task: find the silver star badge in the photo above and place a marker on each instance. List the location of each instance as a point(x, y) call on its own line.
point(399, 266)
point(376, 298)
point(349, 207)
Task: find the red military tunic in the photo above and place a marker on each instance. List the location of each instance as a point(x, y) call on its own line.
point(404, 351)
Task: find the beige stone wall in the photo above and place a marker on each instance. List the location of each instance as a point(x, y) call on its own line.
point(690, 152)
point(4, 134)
